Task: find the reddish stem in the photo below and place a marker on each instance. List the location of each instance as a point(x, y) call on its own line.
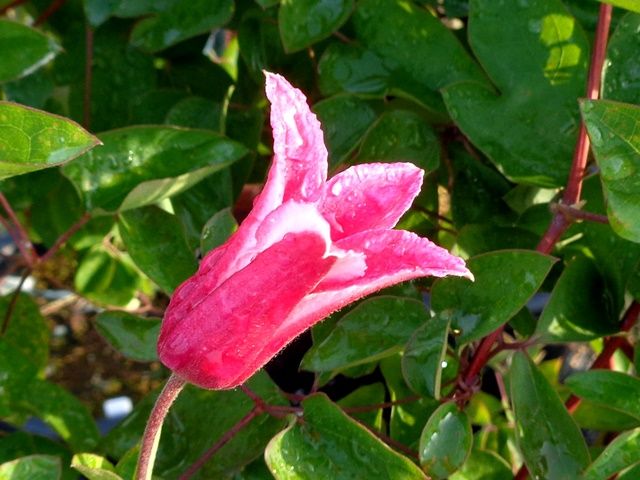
point(151, 437)
point(65, 236)
point(571, 195)
point(572, 214)
point(51, 9)
point(611, 344)
point(18, 233)
point(12, 303)
point(229, 434)
point(380, 406)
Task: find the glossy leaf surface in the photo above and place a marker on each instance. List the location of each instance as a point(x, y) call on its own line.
point(550, 441)
point(538, 64)
point(32, 140)
point(135, 337)
point(613, 129)
point(445, 442)
point(480, 307)
point(316, 449)
point(376, 328)
point(141, 165)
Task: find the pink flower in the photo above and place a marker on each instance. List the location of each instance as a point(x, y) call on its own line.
point(308, 248)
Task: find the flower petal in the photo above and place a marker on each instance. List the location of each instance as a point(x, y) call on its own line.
point(217, 339)
point(300, 156)
point(298, 171)
point(392, 256)
point(370, 196)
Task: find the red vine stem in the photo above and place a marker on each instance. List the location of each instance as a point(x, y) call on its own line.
point(380, 406)
point(571, 195)
point(611, 344)
point(51, 9)
point(18, 233)
point(65, 236)
point(151, 436)
point(228, 435)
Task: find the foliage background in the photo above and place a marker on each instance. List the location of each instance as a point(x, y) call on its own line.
point(531, 368)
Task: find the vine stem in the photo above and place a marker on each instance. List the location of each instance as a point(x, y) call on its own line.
point(571, 195)
point(64, 237)
point(228, 435)
point(151, 437)
point(20, 235)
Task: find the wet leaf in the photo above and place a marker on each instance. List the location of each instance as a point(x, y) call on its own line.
point(548, 438)
point(217, 230)
point(32, 467)
point(620, 79)
point(424, 355)
point(319, 447)
point(615, 390)
point(177, 21)
point(613, 131)
point(445, 442)
point(537, 61)
point(622, 452)
point(135, 337)
point(141, 165)
point(376, 328)
point(478, 308)
point(150, 234)
point(32, 140)
point(304, 22)
point(36, 50)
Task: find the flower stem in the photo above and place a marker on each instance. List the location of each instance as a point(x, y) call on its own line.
point(151, 436)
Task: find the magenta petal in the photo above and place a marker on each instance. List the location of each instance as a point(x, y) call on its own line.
point(217, 339)
point(370, 196)
point(392, 256)
point(300, 156)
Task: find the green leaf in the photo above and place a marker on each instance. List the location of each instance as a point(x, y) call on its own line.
point(16, 375)
point(94, 467)
point(32, 467)
point(537, 61)
point(404, 135)
point(627, 4)
point(364, 396)
point(217, 230)
point(594, 416)
point(549, 440)
point(604, 387)
point(631, 473)
point(64, 412)
point(407, 418)
point(27, 331)
point(135, 337)
point(422, 53)
point(445, 442)
point(423, 357)
point(620, 80)
point(483, 465)
point(476, 239)
point(177, 21)
point(376, 328)
point(344, 119)
point(36, 50)
point(478, 308)
point(320, 447)
point(577, 309)
point(142, 165)
point(622, 452)
point(196, 112)
point(32, 140)
point(305, 22)
point(353, 69)
point(613, 129)
point(156, 244)
point(198, 419)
